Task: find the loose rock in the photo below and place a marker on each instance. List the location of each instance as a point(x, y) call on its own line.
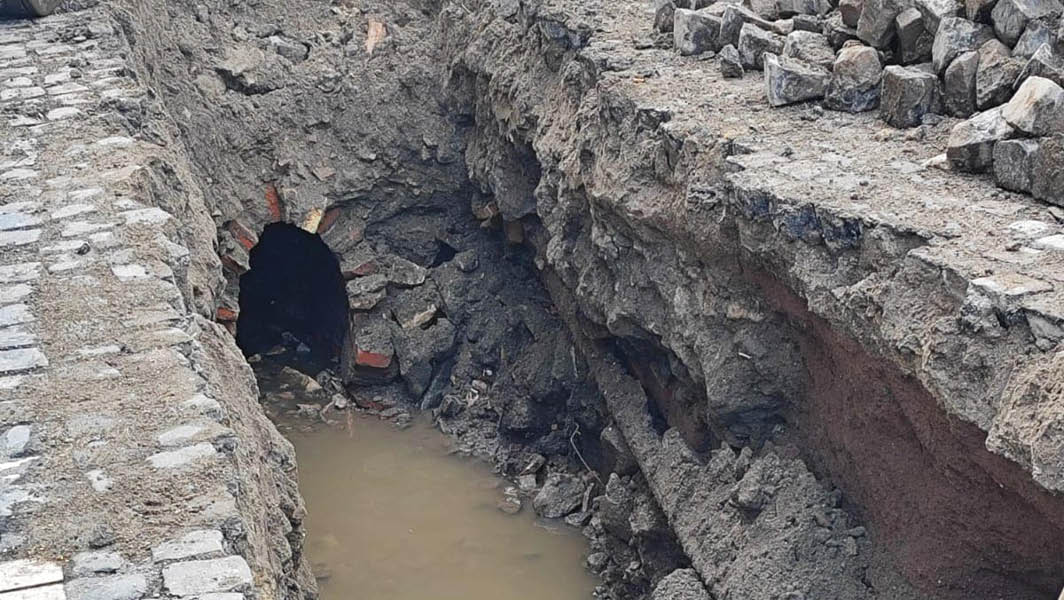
point(1047, 174)
point(855, 80)
point(908, 94)
point(876, 25)
point(1037, 108)
point(561, 494)
point(789, 80)
point(695, 32)
point(681, 584)
point(971, 143)
point(1043, 63)
point(914, 40)
point(731, 65)
point(1010, 17)
point(994, 78)
point(1014, 162)
point(812, 48)
point(754, 42)
point(956, 36)
point(958, 85)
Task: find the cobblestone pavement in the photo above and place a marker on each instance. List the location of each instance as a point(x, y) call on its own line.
point(114, 461)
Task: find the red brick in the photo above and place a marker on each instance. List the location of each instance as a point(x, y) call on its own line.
point(328, 220)
point(364, 358)
point(273, 202)
point(224, 314)
point(243, 235)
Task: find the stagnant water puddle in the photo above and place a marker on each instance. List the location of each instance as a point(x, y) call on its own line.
point(395, 515)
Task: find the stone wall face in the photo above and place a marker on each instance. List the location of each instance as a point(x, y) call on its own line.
point(136, 460)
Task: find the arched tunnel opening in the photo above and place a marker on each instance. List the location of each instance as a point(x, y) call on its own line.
point(293, 295)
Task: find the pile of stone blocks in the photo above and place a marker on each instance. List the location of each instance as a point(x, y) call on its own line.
point(999, 64)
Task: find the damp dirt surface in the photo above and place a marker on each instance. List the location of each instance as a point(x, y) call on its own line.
point(396, 514)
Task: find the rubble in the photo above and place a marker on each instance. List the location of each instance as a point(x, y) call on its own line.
point(855, 80)
point(908, 94)
point(731, 66)
point(754, 43)
point(971, 143)
point(958, 85)
point(695, 32)
point(1014, 163)
point(1037, 108)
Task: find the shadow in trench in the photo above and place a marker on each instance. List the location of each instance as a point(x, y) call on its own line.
point(293, 291)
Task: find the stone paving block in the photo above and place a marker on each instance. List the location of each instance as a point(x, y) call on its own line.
point(14, 293)
point(12, 361)
point(71, 210)
point(19, 272)
point(97, 562)
point(173, 459)
point(113, 587)
point(15, 314)
point(16, 337)
point(18, 574)
point(145, 215)
point(47, 592)
point(20, 237)
point(190, 545)
point(16, 220)
point(202, 576)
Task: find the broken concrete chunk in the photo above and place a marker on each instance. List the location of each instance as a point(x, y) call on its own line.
point(754, 42)
point(1014, 162)
point(908, 94)
point(855, 80)
point(1047, 174)
point(731, 65)
point(807, 23)
point(876, 25)
point(914, 41)
point(956, 36)
point(695, 32)
point(789, 80)
point(958, 85)
point(1037, 108)
point(812, 48)
point(404, 273)
point(971, 143)
point(1010, 17)
point(995, 75)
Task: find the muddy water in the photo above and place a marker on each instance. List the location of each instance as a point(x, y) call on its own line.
point(393, 516)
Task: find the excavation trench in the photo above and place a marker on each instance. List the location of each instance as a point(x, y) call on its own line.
point(570, 289)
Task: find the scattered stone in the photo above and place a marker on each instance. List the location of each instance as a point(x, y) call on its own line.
point(933, 11)
point(908, 94)
point(695, 32)
point(192, 544)
point(876, 24)
point(971, 143)
point(836, 31)
point(914, 40)
point(995, 75)
point(1043, 63)
point(101, 536)
point(97, 563)
point(754, 42)
point(811, 48)
point(731, 25)
point(204, 576)
point(1036, 35)
point(956, 36)
point(15, 440)
point(1010, 17)
point(299, 380)
point(663, 15)
point(681, 584)
point(958, 85)
point(1014, 164)
point(855, 80)
point(1037, 108)
point(978, 10)
point(527, 482)
point(1047, 175)
point(403, 273)
point(99, 480)
point(561, 494)
point(731, 65)
point(850, 11)
point(114, 587)
point(789, 80)
point(182, 456)
point(807, 23)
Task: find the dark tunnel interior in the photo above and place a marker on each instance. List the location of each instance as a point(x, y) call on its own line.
point(294, 293)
